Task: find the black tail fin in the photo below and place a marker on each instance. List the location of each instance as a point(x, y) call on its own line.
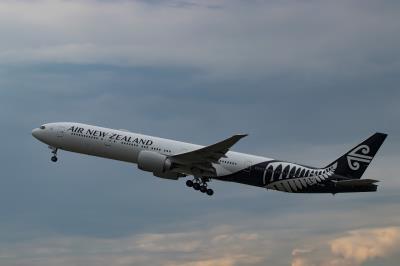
point(354, 163)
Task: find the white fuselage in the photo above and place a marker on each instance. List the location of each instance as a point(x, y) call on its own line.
point(172, 159)
point(125, 146)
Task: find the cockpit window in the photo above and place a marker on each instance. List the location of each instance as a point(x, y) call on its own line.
point(42, 127)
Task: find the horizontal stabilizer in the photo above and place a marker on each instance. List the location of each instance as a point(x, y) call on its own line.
point(355, 183)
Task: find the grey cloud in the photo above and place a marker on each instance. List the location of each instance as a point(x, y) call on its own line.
point(104, 95)
point(260, 38)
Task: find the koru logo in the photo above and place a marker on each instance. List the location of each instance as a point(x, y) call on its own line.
point(359, 154)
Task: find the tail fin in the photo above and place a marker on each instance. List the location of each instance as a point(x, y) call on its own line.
point(354, 163)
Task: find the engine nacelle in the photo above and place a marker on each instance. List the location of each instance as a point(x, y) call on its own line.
point(153, 162)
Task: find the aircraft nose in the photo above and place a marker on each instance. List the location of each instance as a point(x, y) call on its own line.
point(35, 132)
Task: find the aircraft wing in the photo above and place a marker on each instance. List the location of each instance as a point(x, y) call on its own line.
point(203, 158)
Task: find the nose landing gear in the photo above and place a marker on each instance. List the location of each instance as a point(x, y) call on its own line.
point(54, 152)
point(200, 184)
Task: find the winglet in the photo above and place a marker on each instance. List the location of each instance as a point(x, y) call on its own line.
point(229, 142)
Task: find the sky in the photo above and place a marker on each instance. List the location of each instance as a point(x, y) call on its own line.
point(307, 80)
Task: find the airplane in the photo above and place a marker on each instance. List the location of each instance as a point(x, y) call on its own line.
point(172, 159)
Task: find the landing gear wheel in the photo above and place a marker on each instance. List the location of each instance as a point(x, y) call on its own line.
point(196, 186)
point(54, 152)
point(200, 184)
point(189, 183)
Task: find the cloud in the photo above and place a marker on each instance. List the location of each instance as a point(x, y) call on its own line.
point(169, 242)
point(363, 245)
point(260, 38)
point(353, 249)
point(231, 260)
point(220, 246)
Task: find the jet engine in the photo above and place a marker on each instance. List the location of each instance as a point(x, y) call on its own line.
point(153, 162)
point(158, 164)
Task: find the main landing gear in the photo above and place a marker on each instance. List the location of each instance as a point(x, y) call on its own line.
point(200, 184)
point(54, 152)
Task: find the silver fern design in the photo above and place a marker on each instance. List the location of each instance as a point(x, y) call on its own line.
point(303, 178)
point(359, 154)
